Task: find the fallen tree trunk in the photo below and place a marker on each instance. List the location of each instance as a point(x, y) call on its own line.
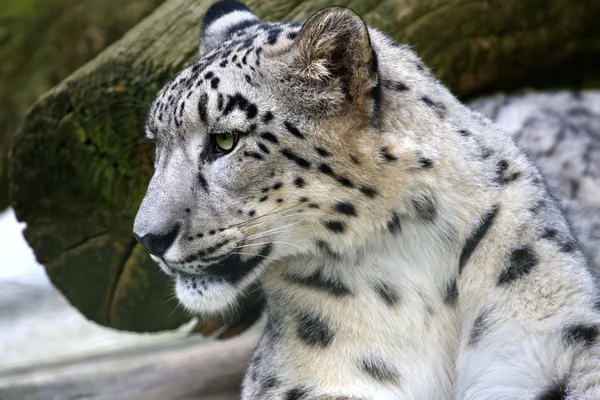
point(42, 42)
point(79, 168)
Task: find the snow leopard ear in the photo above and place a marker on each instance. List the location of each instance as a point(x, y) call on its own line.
point(333, 49)
point(221, 20)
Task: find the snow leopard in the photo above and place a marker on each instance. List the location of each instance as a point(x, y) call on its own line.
point(405, 246)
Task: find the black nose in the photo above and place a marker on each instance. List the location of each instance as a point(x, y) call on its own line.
point(158, 244)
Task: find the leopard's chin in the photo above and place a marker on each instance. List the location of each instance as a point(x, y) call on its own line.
point(218, 287)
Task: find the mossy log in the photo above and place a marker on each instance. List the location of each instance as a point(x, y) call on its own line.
point(42, 42)
point(80, 168)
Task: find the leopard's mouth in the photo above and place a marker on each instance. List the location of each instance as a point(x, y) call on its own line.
point(231, 266)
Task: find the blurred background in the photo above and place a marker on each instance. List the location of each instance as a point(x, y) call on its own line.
point(84, 312)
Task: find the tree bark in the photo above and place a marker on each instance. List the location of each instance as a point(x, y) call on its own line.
point(80, 169)
point(42, 42)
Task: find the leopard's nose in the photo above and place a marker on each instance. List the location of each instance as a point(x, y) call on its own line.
point(158, 244)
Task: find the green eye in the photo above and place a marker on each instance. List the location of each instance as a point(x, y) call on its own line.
point(225, 141)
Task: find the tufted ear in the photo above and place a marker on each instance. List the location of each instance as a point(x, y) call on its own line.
point(333, 49)
point(221, 20)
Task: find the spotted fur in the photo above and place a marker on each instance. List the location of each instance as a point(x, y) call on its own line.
point(405, 246)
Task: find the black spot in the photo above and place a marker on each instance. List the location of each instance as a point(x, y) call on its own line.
point(345, 208)
point(202, 110)
point(298, 393)
point(326, 248)
point(549, 233)
point(425, 208)
point(522, 260)
point(292, 35)
point(277, 186)
point(335, 226)
point(280, 200)
point(263, 148)
point(251, 213)
point(303, 199)
point(209, 75)
point(355, 160)
point(293, 130)
point(314, 330)
point(394, 225)
point(501, 177)
point(464, 132)
point(270, 137)
point(395, 85)
point(319, 282)
point(425, 162)
point(212, 232)
point(202, 181)
point(387, 293)
point(479, 327)
point(476, 237)
point(368, 191)
point(267, 117)
point(299, 182)
point(297, 159)
point(438, 107)
point(580, 334)
point(558, 391)
point(187, 210)
point(538, 206)
point(313, 205)
point(248, 79)
point(379, 370)
point(451, 292)
point(214, 83)
point(486, 153)
point(322, 152)
point(264, 198)
point(568, 247)
point(239, 101)
point(273, 35)
point(326, 169)
point(253, 154)
point(385, 154)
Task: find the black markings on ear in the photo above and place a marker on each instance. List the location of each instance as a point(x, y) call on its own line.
point(290, 155)
point(239, 101)
point(314, 330)
point(425, 208)
point(202, 108)
point(322, 152)
point(501, 177)
point(368, 191)
point(202, 182)
point(270, 137)
point(263, 148)
point(379, 370)
point(437, 107)
point(335, 226)
point(451, 292)
point(299, 182)
point(345, 208)
point(317, 281)
point(220, 9)
point(273, 35)
point(394, 224)
point(267, 117)
point(395, 85)
point(479, 327)
point(581, 335)
point(386, 155)
point(476, 236)
point(293, 130)
point(558, 391)
point(326, 169)
point(386, 293)
point(521, 262)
